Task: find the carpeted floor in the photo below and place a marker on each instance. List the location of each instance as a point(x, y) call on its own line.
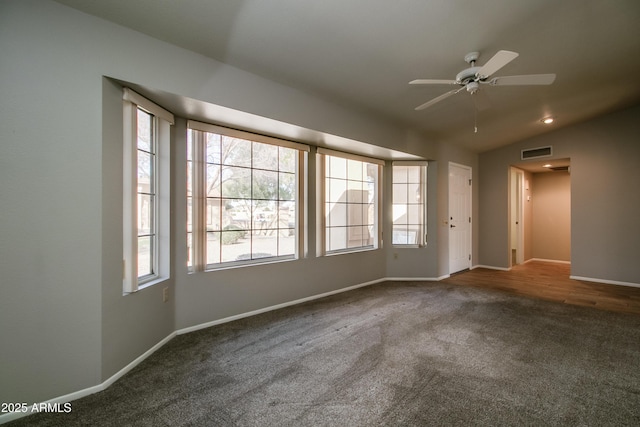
point(394, 354)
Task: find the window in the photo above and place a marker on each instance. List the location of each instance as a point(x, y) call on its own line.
point(243, 193)
point(145, 191)
point(409, 200)
point(351, 201)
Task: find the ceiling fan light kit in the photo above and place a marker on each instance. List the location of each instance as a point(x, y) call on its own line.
point(471, 78)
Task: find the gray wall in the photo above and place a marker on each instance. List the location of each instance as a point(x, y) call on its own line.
point(64, 321)
point(551, 218)
point(605, 201)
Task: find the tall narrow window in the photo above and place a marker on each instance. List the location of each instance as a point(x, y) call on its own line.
point(146, 195)
point(409, 202)
point(350, 201)
point(244, 192)
point(146, 191)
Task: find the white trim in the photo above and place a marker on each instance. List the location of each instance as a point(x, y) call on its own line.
point(145, 104)
point(274, 307)
point(490, 267)
point(350, 156)
point(608, 282)
point(129, 195)
point(5, 418)
point(422, 228)
point(469, 247)
point(162, 121)
point(417, 279)
point(557, 261)
point(235, 133)
point(410, 163)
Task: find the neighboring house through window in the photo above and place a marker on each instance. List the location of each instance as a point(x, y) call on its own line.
point(146, 170)
point(351, 201)
point(409, 203)
point(243, 197)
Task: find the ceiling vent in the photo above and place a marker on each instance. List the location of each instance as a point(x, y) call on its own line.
point(535, 153)
point(560, 168)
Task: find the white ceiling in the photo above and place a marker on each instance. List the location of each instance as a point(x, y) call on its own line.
point(363, 53)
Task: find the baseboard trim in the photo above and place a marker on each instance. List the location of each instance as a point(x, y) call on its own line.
point(490, 267)
point(5, 418)
point(557, 261)
point(415, 279)
point(608, 282)
point(273, 307)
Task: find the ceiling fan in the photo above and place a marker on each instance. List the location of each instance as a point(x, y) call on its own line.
point(471, 78)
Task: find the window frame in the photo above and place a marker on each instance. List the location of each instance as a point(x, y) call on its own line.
point(161, 134)
point(322, 229)
point(197, 216)
point(422, 228)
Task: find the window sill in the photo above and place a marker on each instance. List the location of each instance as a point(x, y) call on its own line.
point(148, 284)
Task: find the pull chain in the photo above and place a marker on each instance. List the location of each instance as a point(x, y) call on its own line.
point(475, 123)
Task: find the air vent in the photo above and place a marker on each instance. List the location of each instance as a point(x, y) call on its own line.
point(535, 153)
point(560, 168)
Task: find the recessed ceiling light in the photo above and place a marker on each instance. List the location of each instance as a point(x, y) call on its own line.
point(546, 166)
point(547, 120)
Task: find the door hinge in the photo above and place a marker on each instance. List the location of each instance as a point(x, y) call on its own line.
point(469, 220)
point(469, 182)
point(469, 257)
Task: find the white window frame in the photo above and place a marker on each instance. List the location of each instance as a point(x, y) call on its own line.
point(199, 197)
point(323, 228)
point(162, 121)
point(420, 228)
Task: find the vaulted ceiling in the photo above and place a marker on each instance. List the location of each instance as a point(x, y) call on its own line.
point(363, 53)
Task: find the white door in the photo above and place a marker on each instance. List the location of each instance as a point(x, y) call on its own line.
point(459, 217)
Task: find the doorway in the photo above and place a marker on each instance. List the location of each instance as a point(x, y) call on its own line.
point(459, 217)
point(516, 220)
point(540, 211)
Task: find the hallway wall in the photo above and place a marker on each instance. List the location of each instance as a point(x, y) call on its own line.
point(551, 219)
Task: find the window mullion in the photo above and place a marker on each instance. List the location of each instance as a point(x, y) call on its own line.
point(199, 201)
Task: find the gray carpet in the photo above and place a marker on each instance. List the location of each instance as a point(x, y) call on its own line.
point(394, 354)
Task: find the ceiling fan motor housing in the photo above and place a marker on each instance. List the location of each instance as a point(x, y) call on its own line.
point(467, 75)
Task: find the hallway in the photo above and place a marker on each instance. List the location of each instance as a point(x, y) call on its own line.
point(550, 281)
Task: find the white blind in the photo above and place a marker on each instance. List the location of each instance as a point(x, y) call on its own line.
point(350, 156)
point(234, 133)
point(145, 104)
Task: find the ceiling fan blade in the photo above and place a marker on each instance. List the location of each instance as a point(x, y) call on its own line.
point(499, 60)
point(438, 99)
point(531, 79)
point(432, 82)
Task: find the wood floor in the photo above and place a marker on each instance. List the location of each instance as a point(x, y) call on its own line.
point(550, 281)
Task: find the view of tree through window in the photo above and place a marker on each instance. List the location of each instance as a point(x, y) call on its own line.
point(249, 198)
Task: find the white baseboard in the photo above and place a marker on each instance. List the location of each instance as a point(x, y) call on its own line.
point(608, 282)
point(415, 279)
point(273, 307)
point(5, 418)
point(557, 261)
point(490, 267)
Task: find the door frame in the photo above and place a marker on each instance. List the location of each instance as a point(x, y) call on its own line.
point(470, 213)
point(517, 192)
